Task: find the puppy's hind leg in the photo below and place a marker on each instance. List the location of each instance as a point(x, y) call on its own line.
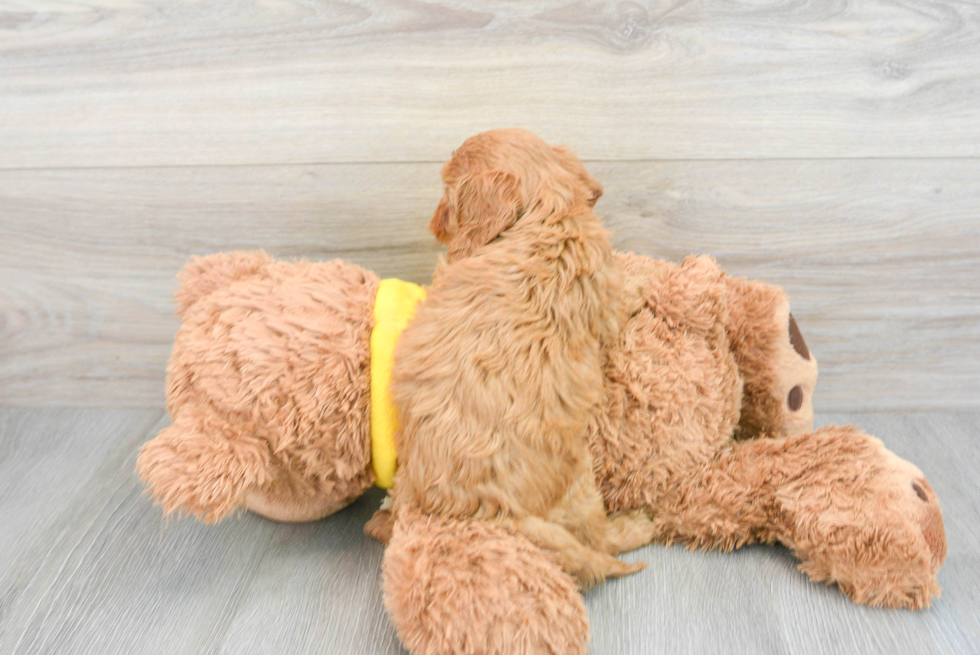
point(626, 531)
point(583, 514)
point(469, 586)
point(588, 566)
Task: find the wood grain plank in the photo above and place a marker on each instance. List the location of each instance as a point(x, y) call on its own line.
point(755, 600)
point(47, 457)
point(88, 259)
point(109, 575)
point(943, 446)
point(881, 259)
point(103, 572)
point(688, 602)
point(324, 579)
point(158, 82)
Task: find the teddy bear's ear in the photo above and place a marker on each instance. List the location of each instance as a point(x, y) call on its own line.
point(486, 204)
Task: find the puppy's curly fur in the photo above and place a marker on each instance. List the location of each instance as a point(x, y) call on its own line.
point(497, 375)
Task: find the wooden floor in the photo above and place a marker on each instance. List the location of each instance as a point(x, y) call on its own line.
point(91, 567)
point(830, 147)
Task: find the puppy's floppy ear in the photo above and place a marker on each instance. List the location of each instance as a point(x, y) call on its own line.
point(595, 189)
point(439, 225)
point(573, 165)
point(487, 203)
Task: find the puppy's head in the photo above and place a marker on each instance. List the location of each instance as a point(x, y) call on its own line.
point(499, 177)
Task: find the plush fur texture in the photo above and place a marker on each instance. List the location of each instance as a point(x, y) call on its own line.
point(854, 513)
point(672, 385)
point(470, 587)
point(267, 389)
point(700, 416)
point(703, 350)
point(773, 359)
point(670, 437)
point(497, 375)
point(698, 348)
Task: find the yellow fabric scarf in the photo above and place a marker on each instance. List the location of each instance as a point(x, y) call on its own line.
point(394, 307)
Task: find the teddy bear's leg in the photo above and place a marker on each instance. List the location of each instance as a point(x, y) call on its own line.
point(210, 470)
point(854, 513)
point(463, 586)
point(777, 368)
point(289, 500)
point(202, 468)
point(859, 516)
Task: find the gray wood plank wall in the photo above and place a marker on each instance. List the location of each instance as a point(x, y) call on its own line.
point(833, 148)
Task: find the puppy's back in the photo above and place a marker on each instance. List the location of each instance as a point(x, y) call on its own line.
point(497, 373)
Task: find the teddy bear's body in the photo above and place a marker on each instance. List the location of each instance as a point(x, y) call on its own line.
point(705, 426)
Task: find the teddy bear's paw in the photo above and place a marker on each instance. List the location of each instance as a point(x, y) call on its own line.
point(868, 521)
point(470, 587)
point(889, 562)
point(794, 377)
point(896, 587)
point(778, 370)
point(201, 474)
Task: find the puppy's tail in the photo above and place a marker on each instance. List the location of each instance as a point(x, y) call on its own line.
point(203, 471)
point(202, 276)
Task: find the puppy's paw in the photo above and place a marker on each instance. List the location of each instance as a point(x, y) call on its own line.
point(380, 526)
point(596, 567)
point(626, 531)
point(622, 569)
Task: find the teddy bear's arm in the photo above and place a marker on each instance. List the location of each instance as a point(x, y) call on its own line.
point(853, 512)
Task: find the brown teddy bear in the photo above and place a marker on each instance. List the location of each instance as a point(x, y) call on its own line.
point(706, 426)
